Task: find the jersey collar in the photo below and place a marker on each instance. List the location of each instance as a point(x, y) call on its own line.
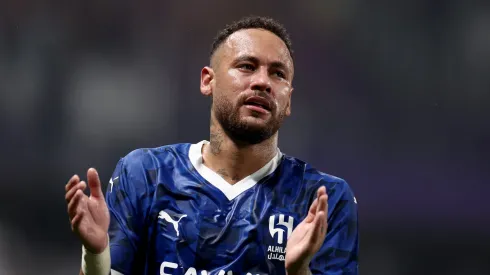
point(231, 191)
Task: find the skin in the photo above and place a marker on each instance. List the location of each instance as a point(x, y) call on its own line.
point(250, 62)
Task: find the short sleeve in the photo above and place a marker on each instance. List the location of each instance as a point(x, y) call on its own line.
point(127, 218)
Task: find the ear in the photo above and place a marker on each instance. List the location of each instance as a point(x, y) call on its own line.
point(288, 106)
point(207, 80)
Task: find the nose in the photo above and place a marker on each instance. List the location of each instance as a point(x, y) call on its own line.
point(261, 81)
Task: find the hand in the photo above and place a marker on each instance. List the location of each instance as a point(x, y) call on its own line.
point(89, 216)
point(308, 236)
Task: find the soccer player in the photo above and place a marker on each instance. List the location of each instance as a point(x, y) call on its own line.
point(234, 204)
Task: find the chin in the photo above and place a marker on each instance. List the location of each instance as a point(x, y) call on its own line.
point(252, 131)
point(250, 137)
point(249, 127)
point(253, 121)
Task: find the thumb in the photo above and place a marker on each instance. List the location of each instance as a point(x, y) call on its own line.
point(94, 183)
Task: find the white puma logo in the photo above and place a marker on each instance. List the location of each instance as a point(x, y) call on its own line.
point(112, 182)
point(164, 215)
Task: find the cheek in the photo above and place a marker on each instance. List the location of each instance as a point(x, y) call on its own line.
point(226, 88)
point(237, 81)
point(283, 95)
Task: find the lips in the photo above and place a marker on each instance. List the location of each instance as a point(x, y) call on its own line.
point(259, 102)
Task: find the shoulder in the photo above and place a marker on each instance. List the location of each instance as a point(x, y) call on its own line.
point(142, 164)
point(337, 188)
point(136, 172)
point(342, 203)
point(150, 158)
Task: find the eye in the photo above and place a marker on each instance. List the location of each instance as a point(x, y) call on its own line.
point(280, 74)
point(247, 67)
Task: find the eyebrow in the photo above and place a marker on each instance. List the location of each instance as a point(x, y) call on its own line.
point(253, 59)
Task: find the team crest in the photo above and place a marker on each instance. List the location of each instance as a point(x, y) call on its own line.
point(280, 230)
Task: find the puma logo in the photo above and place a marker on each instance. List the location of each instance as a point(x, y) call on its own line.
point(165, 216)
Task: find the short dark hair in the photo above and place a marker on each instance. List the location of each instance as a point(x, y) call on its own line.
point(253, 22)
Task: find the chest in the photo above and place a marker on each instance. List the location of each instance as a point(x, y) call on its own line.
point(203, 230)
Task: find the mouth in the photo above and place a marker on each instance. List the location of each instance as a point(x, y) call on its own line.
point(258, 104)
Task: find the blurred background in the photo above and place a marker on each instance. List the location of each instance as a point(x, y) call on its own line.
point(393, 96)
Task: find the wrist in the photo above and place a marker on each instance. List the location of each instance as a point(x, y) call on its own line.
point(299, 269)
point(94, 250)
point(96, 263)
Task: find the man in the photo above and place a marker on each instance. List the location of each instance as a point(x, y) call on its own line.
point(233, 205)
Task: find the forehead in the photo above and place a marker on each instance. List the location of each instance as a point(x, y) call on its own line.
point(260, 43)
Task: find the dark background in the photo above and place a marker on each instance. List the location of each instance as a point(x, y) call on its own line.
point(392, 96)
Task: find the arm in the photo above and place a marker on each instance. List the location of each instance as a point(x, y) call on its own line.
point(89, 216)
point(118, 217)
point(127, 197)
point(340, 251)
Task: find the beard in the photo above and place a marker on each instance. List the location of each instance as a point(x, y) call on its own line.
point(228, 116)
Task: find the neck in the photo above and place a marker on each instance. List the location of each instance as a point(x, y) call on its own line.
point(235, 161)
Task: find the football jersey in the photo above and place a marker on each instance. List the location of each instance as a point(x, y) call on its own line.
point(170, 214)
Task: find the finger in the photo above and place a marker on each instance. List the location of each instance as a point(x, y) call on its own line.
point(75, 204)
point(322, 203)
point(311, 212)
point(315, 206)
point(320, 221)
point(75, 222)
point(321, 191)
point(82, 215)
point(74, 180)
point(80, 186)
point(320, 226)
point(94, 183)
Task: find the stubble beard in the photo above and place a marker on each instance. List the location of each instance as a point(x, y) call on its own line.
point(228, 116)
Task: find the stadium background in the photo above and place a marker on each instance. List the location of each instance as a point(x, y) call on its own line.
point(392, 96)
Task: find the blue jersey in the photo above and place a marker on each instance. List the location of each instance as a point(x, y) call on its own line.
point(170, 214)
